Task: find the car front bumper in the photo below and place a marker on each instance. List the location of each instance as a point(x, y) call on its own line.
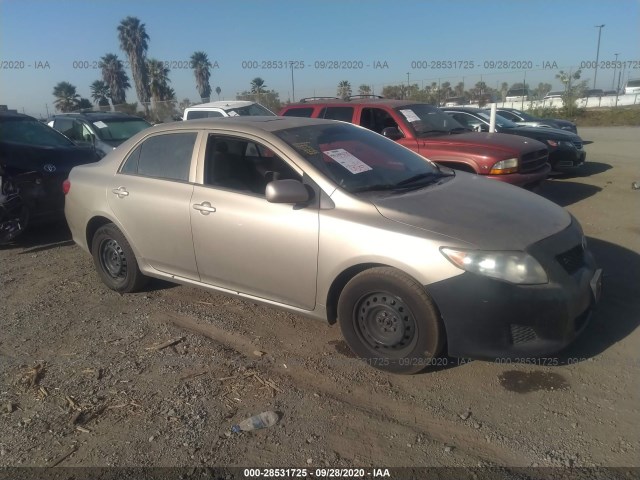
point(488, 318)
point(566, 158)
point(529, 180)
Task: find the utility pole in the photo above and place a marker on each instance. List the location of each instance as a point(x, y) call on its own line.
point(615, 67)
point(595, 75)
point(293, 87)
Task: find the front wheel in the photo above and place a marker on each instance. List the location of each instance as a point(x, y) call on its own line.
point(388, 320)
point(115, 261)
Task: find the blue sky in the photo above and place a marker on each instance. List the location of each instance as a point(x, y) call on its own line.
point(54, 34)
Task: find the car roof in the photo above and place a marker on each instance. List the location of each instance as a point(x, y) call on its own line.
point(360, 101)
point(242, 124)
point(224, 104)
point(15, 116)
point(95, 116)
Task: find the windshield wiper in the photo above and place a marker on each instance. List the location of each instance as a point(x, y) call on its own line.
point(407, 182)
point(460, 130)
point(373, 188)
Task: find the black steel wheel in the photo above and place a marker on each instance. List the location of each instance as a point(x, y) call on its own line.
point(115, 261)
point(389, 320)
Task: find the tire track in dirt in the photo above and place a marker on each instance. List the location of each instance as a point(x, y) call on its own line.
point(365, 401)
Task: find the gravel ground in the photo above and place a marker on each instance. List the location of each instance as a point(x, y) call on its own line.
point(88, 380)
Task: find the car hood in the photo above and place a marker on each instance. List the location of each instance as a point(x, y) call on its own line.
point(481, 212)
point(16, 156)
point(543, 133)
point(477, 140)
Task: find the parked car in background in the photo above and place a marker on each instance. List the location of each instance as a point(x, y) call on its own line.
point(426, 130)
point(517, 95)
point(566, 150)
point(523, 118)
point(553, 95)
point(224, 108)
point(632, 87)
point(336, 222)
point(105, 130)
point(454, 101)
point(34, 161)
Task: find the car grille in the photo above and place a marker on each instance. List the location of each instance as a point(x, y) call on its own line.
point(533, 160)
point(578, 145)
point(572, 260)
point(522, 334)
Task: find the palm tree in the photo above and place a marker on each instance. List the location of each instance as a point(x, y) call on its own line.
point(364, 90)
point(218, 91)
point(201, 69)
point(133, 41)
point(115, 77)
point(159, 81)
point(84, 104)
point(257, 86)
point(66, 97)
point(344, 89)
point(100, 94)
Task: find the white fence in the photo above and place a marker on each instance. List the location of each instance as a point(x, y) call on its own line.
point(589, 102)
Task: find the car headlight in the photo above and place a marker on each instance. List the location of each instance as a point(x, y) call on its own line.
point(510, 165)
point(553, 143)
point(565, 143)
point(515, 267)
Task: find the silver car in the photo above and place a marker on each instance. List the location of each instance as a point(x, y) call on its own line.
point(333, 221)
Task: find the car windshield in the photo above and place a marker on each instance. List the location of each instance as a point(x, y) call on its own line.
point(119, 130)
point(249, 110)
point(32, 132)
point(426, 119)
point(500, 121)
point(359, 160)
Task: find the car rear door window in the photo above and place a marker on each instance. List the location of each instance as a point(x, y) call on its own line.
point(165, 156)
point(344, 114)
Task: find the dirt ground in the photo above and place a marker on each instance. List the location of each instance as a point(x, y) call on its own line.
point(87, 378)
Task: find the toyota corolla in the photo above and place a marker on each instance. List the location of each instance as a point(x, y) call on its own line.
point(330, 220)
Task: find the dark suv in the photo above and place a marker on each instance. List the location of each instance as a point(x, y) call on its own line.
point(426, 130)
point(105, 130)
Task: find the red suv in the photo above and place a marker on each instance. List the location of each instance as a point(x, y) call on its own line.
point(426, 130)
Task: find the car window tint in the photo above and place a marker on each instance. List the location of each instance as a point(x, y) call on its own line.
point(377, 119)
point(130, 165)
point(298, 112)
point(203, 114)
point(344, 114)
point(167, 156)
point(466, 120)
point(244, 166)
point(66, 126)
point(508, 115)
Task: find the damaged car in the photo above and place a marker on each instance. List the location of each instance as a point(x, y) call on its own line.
point(35, 159)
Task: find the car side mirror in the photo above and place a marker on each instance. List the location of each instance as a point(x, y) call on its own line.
point(392, 132)
point(286, 191)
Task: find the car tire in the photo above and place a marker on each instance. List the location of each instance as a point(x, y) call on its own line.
point(389, 320)
point(115, 261)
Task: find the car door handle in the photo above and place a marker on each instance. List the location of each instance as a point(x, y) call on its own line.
point(205, 208)
point(120, 192)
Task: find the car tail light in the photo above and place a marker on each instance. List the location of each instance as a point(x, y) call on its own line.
point(66, 186)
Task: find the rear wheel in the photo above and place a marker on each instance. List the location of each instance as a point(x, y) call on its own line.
point(115, 261)
point(388, 320)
